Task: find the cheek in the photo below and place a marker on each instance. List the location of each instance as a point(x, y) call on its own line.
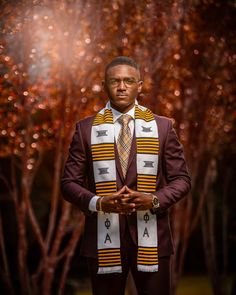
point(110, 92)
point(134, 93)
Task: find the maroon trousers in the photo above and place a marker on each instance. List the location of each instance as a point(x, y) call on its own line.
point(147, 283)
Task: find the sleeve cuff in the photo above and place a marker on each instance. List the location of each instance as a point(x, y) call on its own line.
point(93, 203)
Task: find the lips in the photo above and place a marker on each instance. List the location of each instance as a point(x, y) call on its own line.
point(121, 95)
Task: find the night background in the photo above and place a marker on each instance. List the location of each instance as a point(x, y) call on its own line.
point(52, 59)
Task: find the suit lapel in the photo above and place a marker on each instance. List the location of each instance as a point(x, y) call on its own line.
point(118, 165)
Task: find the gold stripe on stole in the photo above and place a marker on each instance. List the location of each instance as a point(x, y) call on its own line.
point(146, 145)
point(147, 255)
point(106, 118)
point(103, 151)
point(105, 188)
point(146, 183)
point(145, 115)
point(109, 257)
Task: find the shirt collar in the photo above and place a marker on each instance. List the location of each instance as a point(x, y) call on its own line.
point(117, 114)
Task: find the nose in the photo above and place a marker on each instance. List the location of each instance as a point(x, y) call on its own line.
point(121, 85)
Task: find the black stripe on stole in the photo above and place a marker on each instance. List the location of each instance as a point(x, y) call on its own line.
point(109, 257)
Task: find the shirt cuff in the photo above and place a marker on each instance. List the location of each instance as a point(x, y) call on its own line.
point(93, 203)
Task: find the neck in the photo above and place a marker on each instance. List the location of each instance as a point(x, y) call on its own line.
point(121, 109)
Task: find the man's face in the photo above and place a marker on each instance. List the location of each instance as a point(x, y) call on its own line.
point(122, 84)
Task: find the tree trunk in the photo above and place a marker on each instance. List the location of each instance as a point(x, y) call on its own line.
point(5, 274)
point(209, 243)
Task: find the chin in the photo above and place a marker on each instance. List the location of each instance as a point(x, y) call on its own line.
point(123, 107)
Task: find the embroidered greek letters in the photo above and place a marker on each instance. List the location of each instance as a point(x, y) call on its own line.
point(145, 233)
point(146, 219)
point(107, 223)
point(108, 238)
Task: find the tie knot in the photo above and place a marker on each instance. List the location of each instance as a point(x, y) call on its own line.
point(125, 119)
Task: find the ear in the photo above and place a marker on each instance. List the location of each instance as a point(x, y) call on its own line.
point(140, 86)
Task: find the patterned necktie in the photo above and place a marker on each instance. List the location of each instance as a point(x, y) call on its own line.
point(124, 142)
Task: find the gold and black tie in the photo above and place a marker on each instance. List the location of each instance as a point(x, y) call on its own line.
point(124, 142)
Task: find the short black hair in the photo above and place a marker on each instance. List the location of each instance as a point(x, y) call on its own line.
point(121, 60)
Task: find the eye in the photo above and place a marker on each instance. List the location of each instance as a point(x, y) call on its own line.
point(129, 81)
point(114, 82)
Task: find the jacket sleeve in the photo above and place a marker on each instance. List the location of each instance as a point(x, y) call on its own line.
point(75, 171)
point(178, 181)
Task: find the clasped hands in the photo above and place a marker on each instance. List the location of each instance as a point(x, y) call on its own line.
point(126, 201)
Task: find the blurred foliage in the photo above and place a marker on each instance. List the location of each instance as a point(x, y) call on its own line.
point(52, 49)
point(53, 54)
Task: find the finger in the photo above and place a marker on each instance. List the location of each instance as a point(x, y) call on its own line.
point(132, 193)
point(124, 200)
point(122, 190)
point(135, 194)
point(127, 207)
point(118, 193)
point(126, 195)
point(129, 197)
point(127, 201)
point(129, 190)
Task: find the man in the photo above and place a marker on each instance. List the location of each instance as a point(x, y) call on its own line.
point(124, 170)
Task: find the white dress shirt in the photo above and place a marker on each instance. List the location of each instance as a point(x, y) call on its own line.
point(117, 126)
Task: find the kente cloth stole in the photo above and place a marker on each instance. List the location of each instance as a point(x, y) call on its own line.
point(104, 167)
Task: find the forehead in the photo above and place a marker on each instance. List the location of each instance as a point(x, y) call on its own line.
point(122, 71)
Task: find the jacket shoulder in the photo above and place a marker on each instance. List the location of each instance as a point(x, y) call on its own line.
point(163, 121)
point(86, 122)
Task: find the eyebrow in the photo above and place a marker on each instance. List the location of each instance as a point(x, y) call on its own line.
point(115, 77)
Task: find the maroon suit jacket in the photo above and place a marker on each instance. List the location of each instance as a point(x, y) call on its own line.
point(78, 187)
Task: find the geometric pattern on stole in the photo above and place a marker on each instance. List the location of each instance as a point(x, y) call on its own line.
point(108, 258)
point(146, 145)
